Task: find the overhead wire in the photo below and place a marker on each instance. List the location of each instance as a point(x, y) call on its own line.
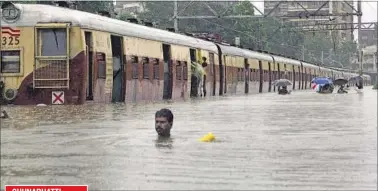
point(253, 38)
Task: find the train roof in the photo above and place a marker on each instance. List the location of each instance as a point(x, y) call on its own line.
point(285, 60)
point(31, 14)
point(305, 64)
point(232, 50)
point(260, 56)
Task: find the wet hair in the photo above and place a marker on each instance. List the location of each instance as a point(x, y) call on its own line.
point(165, 113)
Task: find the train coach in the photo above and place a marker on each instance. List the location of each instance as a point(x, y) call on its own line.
point(88, 57)
point(56, 55)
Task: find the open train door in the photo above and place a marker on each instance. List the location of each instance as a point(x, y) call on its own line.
point(260, 77)
point(212, 73)
point(168, 75)
point(247, 76)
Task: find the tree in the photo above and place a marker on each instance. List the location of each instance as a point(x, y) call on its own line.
point(95, 6)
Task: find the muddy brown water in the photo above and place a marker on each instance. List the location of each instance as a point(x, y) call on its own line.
point(301, 141)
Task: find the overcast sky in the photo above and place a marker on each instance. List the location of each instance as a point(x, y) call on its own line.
point(369, 9)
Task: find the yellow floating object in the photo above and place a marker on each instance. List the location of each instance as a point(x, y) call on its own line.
point(208, 138)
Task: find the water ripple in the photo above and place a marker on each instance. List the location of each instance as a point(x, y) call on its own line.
point(303, 141)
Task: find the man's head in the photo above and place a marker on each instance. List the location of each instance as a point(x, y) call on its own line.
point(163, 122)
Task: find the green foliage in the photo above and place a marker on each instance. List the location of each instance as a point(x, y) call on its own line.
point(268, 33)
point(95, 6)
point(124, 16)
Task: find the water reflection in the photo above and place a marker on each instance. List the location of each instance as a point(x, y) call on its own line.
point(301, 141)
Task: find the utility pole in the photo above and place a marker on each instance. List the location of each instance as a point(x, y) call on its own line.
point(360, 56)
point(322, 57)
point(303, 52)
point(176, 28)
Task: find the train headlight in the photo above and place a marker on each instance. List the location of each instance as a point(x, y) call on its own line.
point(9, 12)
point(10, 94)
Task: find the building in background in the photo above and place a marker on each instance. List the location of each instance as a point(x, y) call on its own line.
point(369, 37)
point(129, 7)
point(296, 8)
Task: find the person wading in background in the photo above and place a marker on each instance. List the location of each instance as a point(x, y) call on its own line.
point(204, 64)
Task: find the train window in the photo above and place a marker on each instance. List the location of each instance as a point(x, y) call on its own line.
point(52, 42)
point(10, 61)
point(135, 67)
point(243, 74)
point(179, 71)
point(100, 59)
point(264, 75)
point(251, 74)
point(240, 76)
point(156, 69)
point(145, 67)
point(185, 71)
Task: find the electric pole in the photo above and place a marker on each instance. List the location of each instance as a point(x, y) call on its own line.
point(360, 55)
point(176, 28)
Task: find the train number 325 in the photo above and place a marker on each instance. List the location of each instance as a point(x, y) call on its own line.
point(12, 40)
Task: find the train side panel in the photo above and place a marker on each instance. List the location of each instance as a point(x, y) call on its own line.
point(240, 75)
point(59, 62)
point(103, 67)
point(265, 76)
point(254, 76)
point(145, 69)
point(17, 60)
point(229, 74)
point(180, 57)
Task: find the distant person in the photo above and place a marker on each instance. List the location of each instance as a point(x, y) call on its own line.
point(163, 122)
point(359, 85)
point(204, 64)
point(283, 90)
point(342, 89)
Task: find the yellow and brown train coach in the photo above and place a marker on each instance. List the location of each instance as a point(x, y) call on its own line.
point(91, 57)
point(56, 55)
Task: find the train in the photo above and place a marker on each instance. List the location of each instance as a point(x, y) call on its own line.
point(56, 55)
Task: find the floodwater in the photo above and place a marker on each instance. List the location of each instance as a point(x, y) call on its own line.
point(303, 141)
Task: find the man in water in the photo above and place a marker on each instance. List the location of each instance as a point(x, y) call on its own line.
point(163, 122)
